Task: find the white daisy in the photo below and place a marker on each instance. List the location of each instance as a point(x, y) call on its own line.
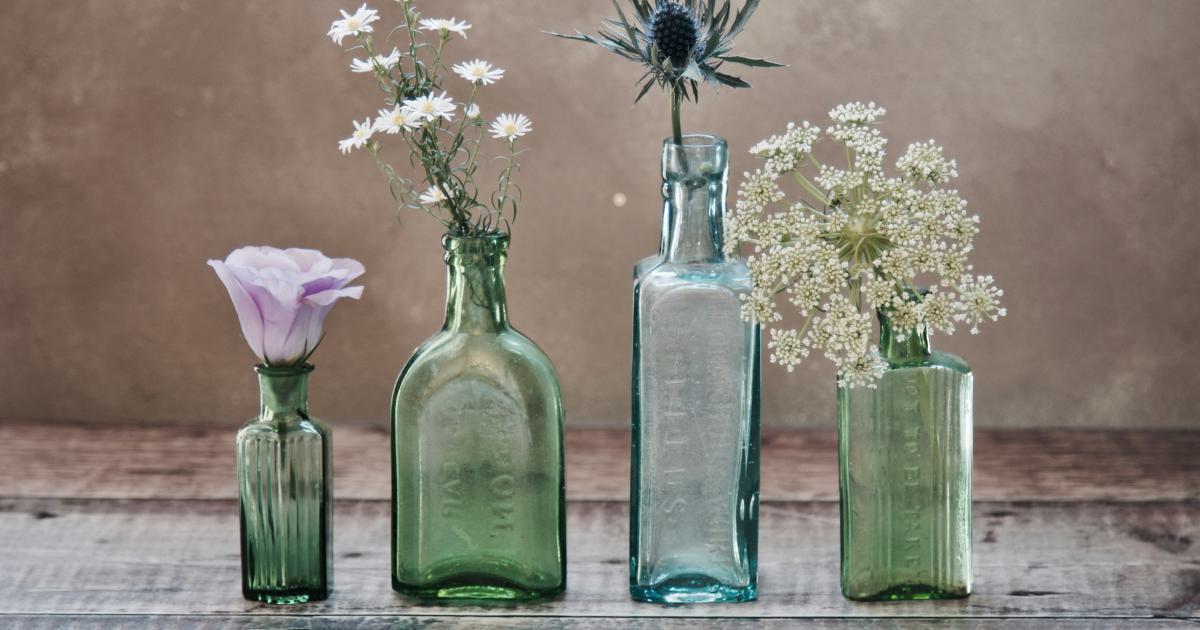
point(511, 126)
point(443, 25)
point(358, 139)
point(392, 121)
point(473, 111)
point(387, 62)
point(430, 107)
point(432, 196)
point(479, 71)
point(350, 25)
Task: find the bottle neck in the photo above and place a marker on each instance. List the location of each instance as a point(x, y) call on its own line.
point(695, 180)
point(283, 392)
point(893, 348)
point(475, 296)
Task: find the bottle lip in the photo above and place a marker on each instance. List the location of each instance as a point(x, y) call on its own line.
point(284, 370)
point(696, 141)
point(476, 243)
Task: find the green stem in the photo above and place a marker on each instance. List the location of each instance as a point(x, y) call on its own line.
point(676, 105)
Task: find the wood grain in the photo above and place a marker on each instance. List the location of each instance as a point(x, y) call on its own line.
point(391, 622)
point(130, 557)
point(65, 460)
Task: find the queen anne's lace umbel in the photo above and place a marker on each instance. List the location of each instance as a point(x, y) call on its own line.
point(856, 240)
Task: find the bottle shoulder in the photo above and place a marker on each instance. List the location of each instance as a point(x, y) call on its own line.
point(732, 274)
point(936, 360)
point(258, 428)
point(492, 356)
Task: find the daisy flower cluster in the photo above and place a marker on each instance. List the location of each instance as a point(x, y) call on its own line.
point(441, 134)
point(855, 240)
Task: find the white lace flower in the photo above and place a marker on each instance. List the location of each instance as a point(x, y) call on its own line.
point(862, 371)
point(395, 120)
point(479, 71)
point(978, 299)
point(473, 111)
point(353, 25)
point(444, 26)
point(430, 107)
point(511, 126)
point(857, 240)
point(432, 195)
point(362, 133)
point(387, 62)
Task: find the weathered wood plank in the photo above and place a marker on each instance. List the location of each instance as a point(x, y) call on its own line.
point(1127, 560)
point(380, 622)
point(128, 461)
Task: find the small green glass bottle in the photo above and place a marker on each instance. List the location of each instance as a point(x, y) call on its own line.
point(905, 469)
point(478, 492)
point(285, 493)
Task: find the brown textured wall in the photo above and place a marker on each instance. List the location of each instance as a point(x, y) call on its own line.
point(139, 138)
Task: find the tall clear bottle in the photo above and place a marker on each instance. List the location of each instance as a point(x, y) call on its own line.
point(478, 493)
point(905, 452)
point(694, 487)
point(286, 497)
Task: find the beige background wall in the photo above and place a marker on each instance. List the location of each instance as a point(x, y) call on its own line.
point(139, 138)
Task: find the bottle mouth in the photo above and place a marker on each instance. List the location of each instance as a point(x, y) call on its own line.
point(696, 141)
point(482, 244)
point(284, 370)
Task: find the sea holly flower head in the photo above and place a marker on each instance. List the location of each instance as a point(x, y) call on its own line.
point(679, 44)
point(855, 239)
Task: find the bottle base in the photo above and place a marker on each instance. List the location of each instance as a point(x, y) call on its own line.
point(908, 592)
point(286, 597)
point(692, 589)
point(476, 588)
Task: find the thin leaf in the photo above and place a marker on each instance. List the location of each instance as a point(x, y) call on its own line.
point(753, 62)
point(731, 81)
point(743, 16)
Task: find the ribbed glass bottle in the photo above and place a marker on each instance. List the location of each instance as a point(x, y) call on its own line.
point(694, 488)
point(478, 491)
point(286, 496)
point(905, 466)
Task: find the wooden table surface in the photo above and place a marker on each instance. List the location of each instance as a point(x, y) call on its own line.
point(136, 526)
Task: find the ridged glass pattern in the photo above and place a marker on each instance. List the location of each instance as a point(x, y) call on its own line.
point(905, 464)
point(285, 495)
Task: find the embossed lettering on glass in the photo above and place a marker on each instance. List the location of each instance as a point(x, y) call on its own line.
point(285, 494)
point(478, 508)
point(694, 498)
point(905, 465)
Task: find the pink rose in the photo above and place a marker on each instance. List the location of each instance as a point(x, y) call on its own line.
point(282, 297)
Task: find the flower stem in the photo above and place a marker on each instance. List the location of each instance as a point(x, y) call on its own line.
point(676, 125)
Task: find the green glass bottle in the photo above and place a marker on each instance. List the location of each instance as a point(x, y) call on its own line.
point(283, 462)
point(478, 492)
point(905, 472)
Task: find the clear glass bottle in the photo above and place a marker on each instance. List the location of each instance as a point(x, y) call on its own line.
point(478, 493)
point(286, 494)
point(905, 472)
point(694, 488)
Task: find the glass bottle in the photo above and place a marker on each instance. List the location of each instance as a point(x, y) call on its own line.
point(905, 473)
point(694, 488)
point(478, 494)
point(286, 495)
